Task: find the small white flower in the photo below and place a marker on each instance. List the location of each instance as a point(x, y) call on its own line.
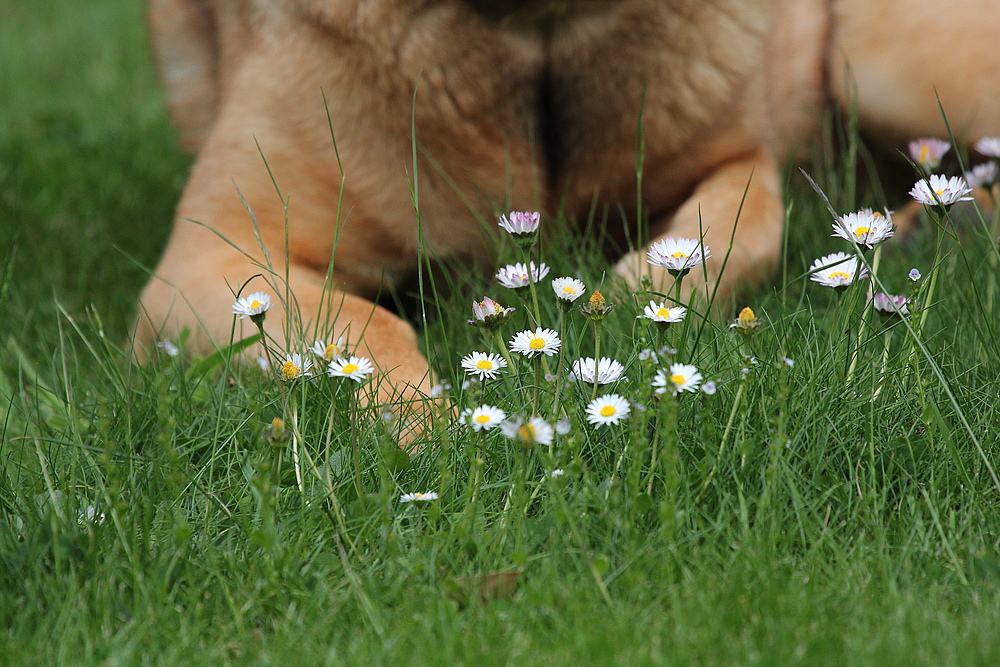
point(532, 343)
point(263, 364)
point(169, 348)
point(90, 514)
point(294, 367)
point(941, 190)
point(866, 227)
point(568, 289)
point(607, 410)
point(659, 312)
point(646, 353)
point(837, 270)
point(483, 365)
point(891, 304)
point(928, 152)
point(607, 371)
point(982, 175)
point(418, 498)
point(914, 275)
point(709, 388)
point(681, 377)
point(677, 255)
point(520, 222)
point(558, 472)
point(328, 352)
point(988, 146)
point(485, 417)
point(536, 431)
point(788, 362)
point(516, 276)
point(666, 351)
point(355, 368)
point(250, 306)
point(562, 425)
point(439, 389)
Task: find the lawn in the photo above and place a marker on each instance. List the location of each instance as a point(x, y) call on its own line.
point(826, 494)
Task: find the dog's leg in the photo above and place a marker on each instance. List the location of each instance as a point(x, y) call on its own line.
point(740, 204)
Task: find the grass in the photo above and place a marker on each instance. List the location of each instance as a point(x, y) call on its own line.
point(800, 515)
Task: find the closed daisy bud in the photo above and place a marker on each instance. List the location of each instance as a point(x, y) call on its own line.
point(747, 323)
point(597, 307)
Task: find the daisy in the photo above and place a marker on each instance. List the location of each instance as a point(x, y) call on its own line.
point(941, 190)
point(682, 377)
point(520, 222)
point(489, 314)
point(677, 255)
point(168, 347)
point(837, 270)
point(866, 227)
point(660, 312)
point(568, 289)
point(608, 370)
point(485, 417)
point(890, 304)
point(418, 498)
point(355, 368)
point(294, 367)
point(989, 146)
point(516, 276)
point(536, 431)
point(483, 365)
point(532, 343)
point(328, 352)
point(928, 152)
point(607, 410)
point(982, 175)
point(252, 306)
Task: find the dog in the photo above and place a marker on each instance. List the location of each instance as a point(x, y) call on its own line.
point(320, 123)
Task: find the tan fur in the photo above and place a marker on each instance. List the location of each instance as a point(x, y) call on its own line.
point(519, 105)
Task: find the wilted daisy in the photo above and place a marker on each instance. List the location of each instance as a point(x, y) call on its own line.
point(928, 152)
point(418, 498)
point(489, 314)
point(535, 431)
point(989, 146)
point(168, 347)
point(680, 377)
point(532, 343)
point(485, 417)
point(597, 307)
point(678, 255)
point(253, 306)
point(606, 371)
point(837, 270)
point(568, 290)
point(483, 365)
point(516, 276)
point(941, 190)
point(294, 367)
point(660, 312)
point(746, 323)
point(607, 410)
point(355, 368)
point(982, 175)
point(520, 222)
point(891, 304)
point(328, 352)
point(866, 227)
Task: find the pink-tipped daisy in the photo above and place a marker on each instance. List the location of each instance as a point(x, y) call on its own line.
point(928, 152)
point(866, 227)
point(891, 304)
point(354, 368)
point(988, 146)
point(837, 270)
point(483, 365)
point(568, 289)
point(516, 276)
point(941, 190)
point(489, 314)
point(660, 312)
point(607, 410)
point(520, 222)
point(485, 417)
point(532, 343)
point(680, 377)
point(677, 255)
point(294, 368)
point(606, 371)
point(253, 305)
point(982, 175)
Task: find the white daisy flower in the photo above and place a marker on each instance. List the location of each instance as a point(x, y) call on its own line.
point(520, 222)
point(607, 410)
point(677, 255)
point(516, 276)
point(532, 343)
point(866, 227)
point(355, 368)
point(607, 371)
point(328, 352)
point(169, 348)
point(485, 417)
point(660, 312)
point(941, 190)
point(294, 367)
point(489, 314)
point(928, 152)
point(251, 306)
point(558, 472)
point(891, 304)
point(535, 431)
point(483, 365)
point(988, 146)
point(418, 498)
point(982, 175)
point(680, 377)
point(837, 270)
point(568, 289)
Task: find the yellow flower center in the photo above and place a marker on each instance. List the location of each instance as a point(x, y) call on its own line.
point(861, 231)
point(679, 255)
point(747, 315)
point(569, 290)
point(939, 193)
point(484, 364)
point(331, 352)
point(255, 304)
point(677, 379)
point(527, 433)
point(839, 275)
point(608, 410)
point(924, 154)
point(877, 214)
point(537, 343)
point(482, 419)
point(289, 371)
point(349, 368)
point(663, 312)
